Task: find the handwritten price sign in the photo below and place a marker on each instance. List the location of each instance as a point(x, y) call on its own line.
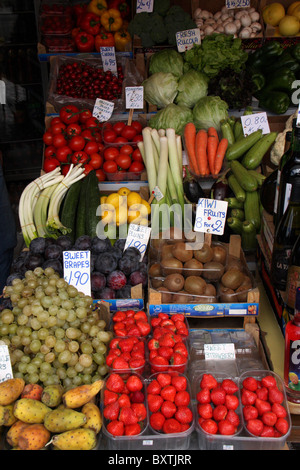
point(103, 110)
point(186, 39)
point(109, 61)
point(134, 96)
point(144, 5)
point(5, 364)
point(254, 122)
point(237, 3)
point(77, 270)
point(138, 236)
point(211, 216)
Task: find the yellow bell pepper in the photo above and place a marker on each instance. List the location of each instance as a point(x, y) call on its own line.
point(111, 20)
point(97, 6)
point(122, 38)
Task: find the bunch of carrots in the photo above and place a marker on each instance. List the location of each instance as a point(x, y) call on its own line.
point(205, 150)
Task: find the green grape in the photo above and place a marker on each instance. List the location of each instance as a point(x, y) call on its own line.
point(35, 309)
point(64, 356)
point(86, 379)
point(25, 340)
point(22, 367)
point(52, 321)
point(75, 324)
point(59, 333)
point(85, 360)
point(43, 333)
point(44, 349)
point(50, 341)
point(62, 293)
point(27, 292)
point(50, 290)
point(12, 328)
point(22, 319)
point(77, 380)
point(43, 376)
point(25, 359)
point(85, 327)
point(43, 316)
point(99, 358)
point(37, 361)
point(16, 310)
point(53, 310)
point(27, 310)
point(38, 271)
point(32, 283)
point(18, 286)
point(34, 378)
point(86, 347)
point(7, 316)
point(35, 345)
point(78, 367)
point(46, 367)
point(73, 360)
point(62, 314)
point(72, 333)
point(94, 330)
point(103, 370)
point(72, 291)
point(32, 368)
point(4, 330)
point(16, 341)
point(56, 300)
point(71, 316)
point(15, 298)
point(61, 373)
point(68, 304)
point(104, 336)
point(101, 348)
point(81, 312)
point(67, 383)
point(60, 346)
point(73, 346)
point(50, 357)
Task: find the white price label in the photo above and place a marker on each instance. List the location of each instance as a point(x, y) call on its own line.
point(254, 122)
point(157, 193)
point(138, 236)
point(237, 3)
point(2, 92)
point(134, 97)
point(5, 364)
point(77, 270)
point(103, 109)
point(186, 39)
point(222, 351)
point(211, 216)
point(144, 5)
point(109, 60)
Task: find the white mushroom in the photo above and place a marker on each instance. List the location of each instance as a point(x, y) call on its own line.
point(224, 17)
point(245, 20)
point(254, 16)
point(252, 35)
point(230, 28)
point(219, 29)
point(208, 30)
point(199, 23)
point(206, 14)
point(256, 27)
point(197, 13)
point(217, 15)
point(239, 14)
point(238, 24)
point(245, 33)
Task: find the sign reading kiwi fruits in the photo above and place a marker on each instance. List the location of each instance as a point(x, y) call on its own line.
point(211, 216)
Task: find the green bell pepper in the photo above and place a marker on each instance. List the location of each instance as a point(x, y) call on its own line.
point(276, 102)
point(258, 80)
point(286, 60)
point(282, 81)
point(295, 52)
point(264, 56)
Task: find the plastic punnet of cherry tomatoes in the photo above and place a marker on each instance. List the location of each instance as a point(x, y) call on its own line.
point(120, 132)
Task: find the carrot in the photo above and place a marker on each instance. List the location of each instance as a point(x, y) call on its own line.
point(190, 139)
point(212, 145)
point(222, 147)
point(201, 151)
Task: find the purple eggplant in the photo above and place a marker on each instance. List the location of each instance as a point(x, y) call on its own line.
point(220, 189)
point(192, 188)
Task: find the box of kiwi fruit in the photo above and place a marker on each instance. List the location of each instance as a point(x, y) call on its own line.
point(207, 278)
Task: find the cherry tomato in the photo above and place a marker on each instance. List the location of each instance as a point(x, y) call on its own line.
point(73, 129)
point(136, 167)
point(96, 160)
point(109, 135)
point(50, 151)
point(138, 126)
point(137, 156)
point(58, 128)
point(84, 115)
point(123, 161)
point(91, 147)
point(110, 167)
point(126, 150)
point(69, 114)
point(87, 168)
point(100, 174)
point(64, 154)
point(128, 132)
point(59, 140)
point(50, 164)
point(118, 127)
point(110, 153)
point(77, 143)
point(80, 157)
point(48, 138)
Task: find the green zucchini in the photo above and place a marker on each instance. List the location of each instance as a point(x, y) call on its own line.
point(81, 208)
point(259, 176)
point(249, 241)
point(253, 158)
point(236, 188)
point(235, 224)
point(227, 132)
point(234, 203)
point(238, 213)
point(252, 209)
point(69, 209)
point(242, 145)
point(92, 202)
point(247, 181)
point(238, 130)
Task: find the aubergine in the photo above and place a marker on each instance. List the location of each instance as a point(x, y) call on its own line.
point(220, 189)
point(192, 190)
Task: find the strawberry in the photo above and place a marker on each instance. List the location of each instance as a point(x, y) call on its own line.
point(250, 412)
point(226, 428)
point(124, 400)
point(165, 351)
point(268, 431)
point(181, 348)
point(167, 340)
point(178, 359)
point(205, 410)
point(219, 412)
point(134, 383)
point(168, 409)
point(155, 322)
point(231, 402)
point(137, 397)
point(130, 313)
point(119, 316)
point(250, 383)
point(120, 332)
point(163, 316)
point(275, 395)
point(140, 315)
point(157, 421)
point(153, 354)
point(209, 426)
point(262, 393)
point(269, 418)
point(268, 381)
point(171, 426)
point(203, 396)
point(154, 387)
point(282, 425)
point(183, 331)
point(119, 363)
point(182, 398)
point(111, 411)
point(179, 382)
point(116, 428)
point(233, 417)
point(168, 393)
point(248, 397)
point(139, 410)
point(178, 317)
point(229, 386)
point(255, 426)
point(154, 402)
point(133, 331)
point(279, 410)
point(143, 327)
point(126, 344)
point(114, 343)
point(109, 397)
point(127, 416)
point(159, 363)
point(132, 429)
point(115, 383)
point(184, 415)
point(262, 406)
point(217, 396)
point(120, 325)
point(164, 379)
point(136, 363)
point(208, 381)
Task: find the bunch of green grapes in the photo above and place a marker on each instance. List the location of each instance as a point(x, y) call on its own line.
point(53, 333)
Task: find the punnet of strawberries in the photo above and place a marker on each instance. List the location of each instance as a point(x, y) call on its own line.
point(131, 323)
point(126, 353)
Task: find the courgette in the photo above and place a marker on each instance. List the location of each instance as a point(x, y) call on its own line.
point(253, 158)
point(80, 216)
point(235, 224)
point(259, 176)
point(227, 132)
point(236, 188)
point(247, 181)
point(92, 202)
point(242, 145)
point(69, 209)
point(238, 213)
point(252, 209)
point(249, 241)
point(234, 203)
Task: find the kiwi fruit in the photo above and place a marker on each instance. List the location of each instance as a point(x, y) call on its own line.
point(242, 293)
point(192, 267)
point(226, 294)
point(182, 251)
point(171, 266)
point(181, 297)
point(166, 296)
point(156, 282)
point(210, 290)
point(233, 263)
point(232, 278)
point(154, 270)
point(174, 282)
point(166, 251)
point(213, 270)
point(219, 254)
point(247, 283)
point(194, 285)
point(204, 254)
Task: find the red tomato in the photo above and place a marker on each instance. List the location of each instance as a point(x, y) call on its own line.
point(137, 156)
point(136, 167)
point(58, 128)
point(64, 154)
point(65, 169)
point(88, 134)
point(128, 132)
point(59, 140)
point(138, 126)
point(109, 136)
point(55, 120)
point(96, 160)
point(73, 129)
point(77, 143)
point(138, 138)
point(69, 114)
point(126, 150)
point(50, 164)
point(110, 153)
point(48, 138)
point(100, 174)
point(118, 126)
point(92, 122)
point(100, 147)
point(50, 151)
point(84, 115)
point(87, 168)
point(97, 136)
point(121, 140)
point(123, 161)
point(91, 147)
point(80, 157)
point(110, 167)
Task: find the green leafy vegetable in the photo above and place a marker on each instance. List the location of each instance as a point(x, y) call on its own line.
point(173, 116)
point(166, 60)
point(236, 88)
point(209, 111)
point(160, 89)
point(192, 86)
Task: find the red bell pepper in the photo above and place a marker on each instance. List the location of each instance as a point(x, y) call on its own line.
point(90, 23)
point(79, 10)
point(122, 6)
point(85, 42)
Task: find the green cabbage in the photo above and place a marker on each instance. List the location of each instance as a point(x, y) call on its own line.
point(209, 111)
point(168, 61)
point(192, 86)
point(160, 89)
point(173, 116)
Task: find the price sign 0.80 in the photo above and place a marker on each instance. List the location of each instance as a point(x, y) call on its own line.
point(254, 122)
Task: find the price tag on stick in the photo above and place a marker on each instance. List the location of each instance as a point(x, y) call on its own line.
point(134, 97)
point(77, 270)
